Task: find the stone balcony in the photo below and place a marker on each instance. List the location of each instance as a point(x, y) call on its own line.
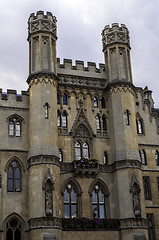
point(85, 167)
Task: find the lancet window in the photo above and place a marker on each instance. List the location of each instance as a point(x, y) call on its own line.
point(14, 177)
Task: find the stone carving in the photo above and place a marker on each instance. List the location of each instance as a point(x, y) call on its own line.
point(48, 199)
point(82, 131)
point(135, 190)
point(48, 186)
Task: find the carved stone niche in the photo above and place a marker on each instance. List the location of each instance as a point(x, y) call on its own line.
point(135, 190)
point(48, 187)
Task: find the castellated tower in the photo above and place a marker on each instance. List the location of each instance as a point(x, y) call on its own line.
point(122, 113)
point(43, 157)
point(116, 49)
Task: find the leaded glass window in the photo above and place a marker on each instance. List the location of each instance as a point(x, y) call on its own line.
point(98, 122)
point(14, 128)
point(14, 177)
point(78, 152)
point(64, 120)
point(85, 150)
point(98, 202)
point(70, 202)
point(13, 229)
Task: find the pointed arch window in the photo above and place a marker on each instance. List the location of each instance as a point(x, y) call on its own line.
point(98, 123)
point(139, 126)
point(70, 202)
point(143, 157)
point(14, 177)
point(86, 150)
point(13, 229)
point(64, 120)
point(104, 123)
point(78, 151)
point(58, 119)
point(64, 99)
point(95, 102)
point(98, 202)
point(14, 128)
point(103, 102)
point(157, 158)
point(147, 189)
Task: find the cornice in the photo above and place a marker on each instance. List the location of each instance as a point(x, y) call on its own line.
point(42, 77)
point(121, 86)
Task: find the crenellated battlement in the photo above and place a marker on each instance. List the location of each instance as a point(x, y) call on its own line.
point(79, 68)
point(42, 22)
point(115, 34)
point(13, 96)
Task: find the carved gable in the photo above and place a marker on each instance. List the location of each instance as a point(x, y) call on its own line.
point(81, 127)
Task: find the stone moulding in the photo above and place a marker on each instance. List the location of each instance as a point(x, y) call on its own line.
point(42, 77)
point(133, 223)
point(79, 81)
point(89, 172)
point(42, 159)
point(86, 167)
point(44, 222)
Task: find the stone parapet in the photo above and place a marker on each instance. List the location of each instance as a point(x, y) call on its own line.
point(42, 22)
point(115, 34)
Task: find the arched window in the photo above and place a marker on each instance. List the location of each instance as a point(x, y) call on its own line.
point(58, 99)
point(103, 102)
point(60, 155)
point(147, 190)
point(70, 202)
point(157, 158)
point(64, 120)
point(14, 128)
point(13, 229)
point(78, 151)
point(95, 102)
point(98, 123)
point(104, 123)
point(58, 119)
point(139, 126)
point(105, 158)
point(127, 113)
point(143, 157)
point(98, 202)
point(65, 99)
point(14, 177)
point(86, 150)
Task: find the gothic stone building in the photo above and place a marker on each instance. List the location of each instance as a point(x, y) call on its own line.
point(79, 151)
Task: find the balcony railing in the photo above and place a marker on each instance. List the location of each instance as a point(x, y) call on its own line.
point(85, 224)
point(86, 167)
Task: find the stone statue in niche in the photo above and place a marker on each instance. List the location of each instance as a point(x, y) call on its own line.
point(48, 199)
point(136, 200)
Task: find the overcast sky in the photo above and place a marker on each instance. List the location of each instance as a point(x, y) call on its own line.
point(80, 23)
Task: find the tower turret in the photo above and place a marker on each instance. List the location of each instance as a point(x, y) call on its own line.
point(43, 157)
point(116, 48)
point(42, 36)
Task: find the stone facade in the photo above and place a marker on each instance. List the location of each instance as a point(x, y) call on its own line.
point(79, 151)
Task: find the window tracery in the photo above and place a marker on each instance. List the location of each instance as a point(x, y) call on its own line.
point(14, 128)
point(14, 177)
point(13, 229)
point(70, 202)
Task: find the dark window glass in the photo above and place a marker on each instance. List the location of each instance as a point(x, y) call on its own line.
point(58, 99)
point(104, 123)
point(157, 158)
point(65, 99)
point(151, 228)
point(13, 229)
point(147, 190)
point(127, 117)
point(103, 102)
point(105, 158)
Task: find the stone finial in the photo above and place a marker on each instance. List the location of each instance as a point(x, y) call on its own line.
point(42, 22)
point(115, 34)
